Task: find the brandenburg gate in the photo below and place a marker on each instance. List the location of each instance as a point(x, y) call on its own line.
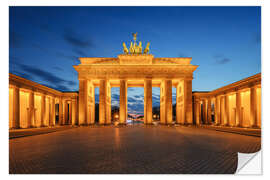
point(135, 68)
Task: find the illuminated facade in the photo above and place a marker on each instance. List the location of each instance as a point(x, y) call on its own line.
point(237, 104)
point(35, 105)
point(135, 70)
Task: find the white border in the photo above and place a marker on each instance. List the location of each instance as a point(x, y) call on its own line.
point(4, 71)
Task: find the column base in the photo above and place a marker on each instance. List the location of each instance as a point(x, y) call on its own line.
point(148, 124)
point(121, 124)
point(255, 127)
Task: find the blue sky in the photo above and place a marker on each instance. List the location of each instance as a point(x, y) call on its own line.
point(46, 41)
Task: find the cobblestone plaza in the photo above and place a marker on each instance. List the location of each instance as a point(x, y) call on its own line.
point(130, 150)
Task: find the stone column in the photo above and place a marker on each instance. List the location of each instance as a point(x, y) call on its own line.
point(123, 101)
point(197, 111)
point(70, 113)
point(102, 101)
point(209, 112)
point(31, 120)
point(73, 112)
point(52, 112)
point(253, 107)
point(148, 101)
point(238, 109)
point(60, 121)
point(108, 103)
point(43, 109)
point(200, 111)
point(64, 112)
point(16, 106)
point(188, 101)
point(179, 99)
point(227, 112)
point(91, 103)
point(222, 110)
point(162, 104)
point(166, 102)
point(204, 111)
point(82, 103)
point(217, 110)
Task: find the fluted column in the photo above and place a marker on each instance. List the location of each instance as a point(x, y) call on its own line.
point(217, 110)
point(31, 120)
point(52, 122)
point(43, 109)
point(200, 111)
point(209, 112)
point(179, 104)
point(253, 107)
point(238, 117)
point(60, 111)
point(16, 106)
point(90, 105)
point(108, 103)
point(204, 111)
point(222, 109)
point(148, 101)
point(123, 101)
point(82, 103)
point(162, 104)
point(64, 112)
point(73, 112)
point(166, 102)
point(188, 101)
point(197, 111)
point(70, 112)
point(226, 115)
point(102, 101)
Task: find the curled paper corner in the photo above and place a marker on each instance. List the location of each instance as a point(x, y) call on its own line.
point(249, 163)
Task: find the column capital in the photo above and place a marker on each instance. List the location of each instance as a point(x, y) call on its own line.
point(16, 87)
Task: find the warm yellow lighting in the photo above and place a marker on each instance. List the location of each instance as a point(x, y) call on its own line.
point(116, 116)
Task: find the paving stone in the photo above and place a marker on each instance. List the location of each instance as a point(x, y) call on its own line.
point(130, 150)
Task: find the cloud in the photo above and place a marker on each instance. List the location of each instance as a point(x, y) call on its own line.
point(80, 52)
point(49, 79)
point(223, 61)
point(220, 59)
point(76, 41)
point(58, 54)
point(58, 68)
point(115, 97)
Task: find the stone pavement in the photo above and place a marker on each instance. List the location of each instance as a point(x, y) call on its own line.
point(237, 130)
point(130, 150)
point(17, 133)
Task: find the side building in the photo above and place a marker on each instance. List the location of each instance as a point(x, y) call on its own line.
point(34, 105)
point(236, 105)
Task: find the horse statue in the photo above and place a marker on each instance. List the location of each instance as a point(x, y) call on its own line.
point(146, 50)
point(125, 48)
point(131, 48)
point(140, 47)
